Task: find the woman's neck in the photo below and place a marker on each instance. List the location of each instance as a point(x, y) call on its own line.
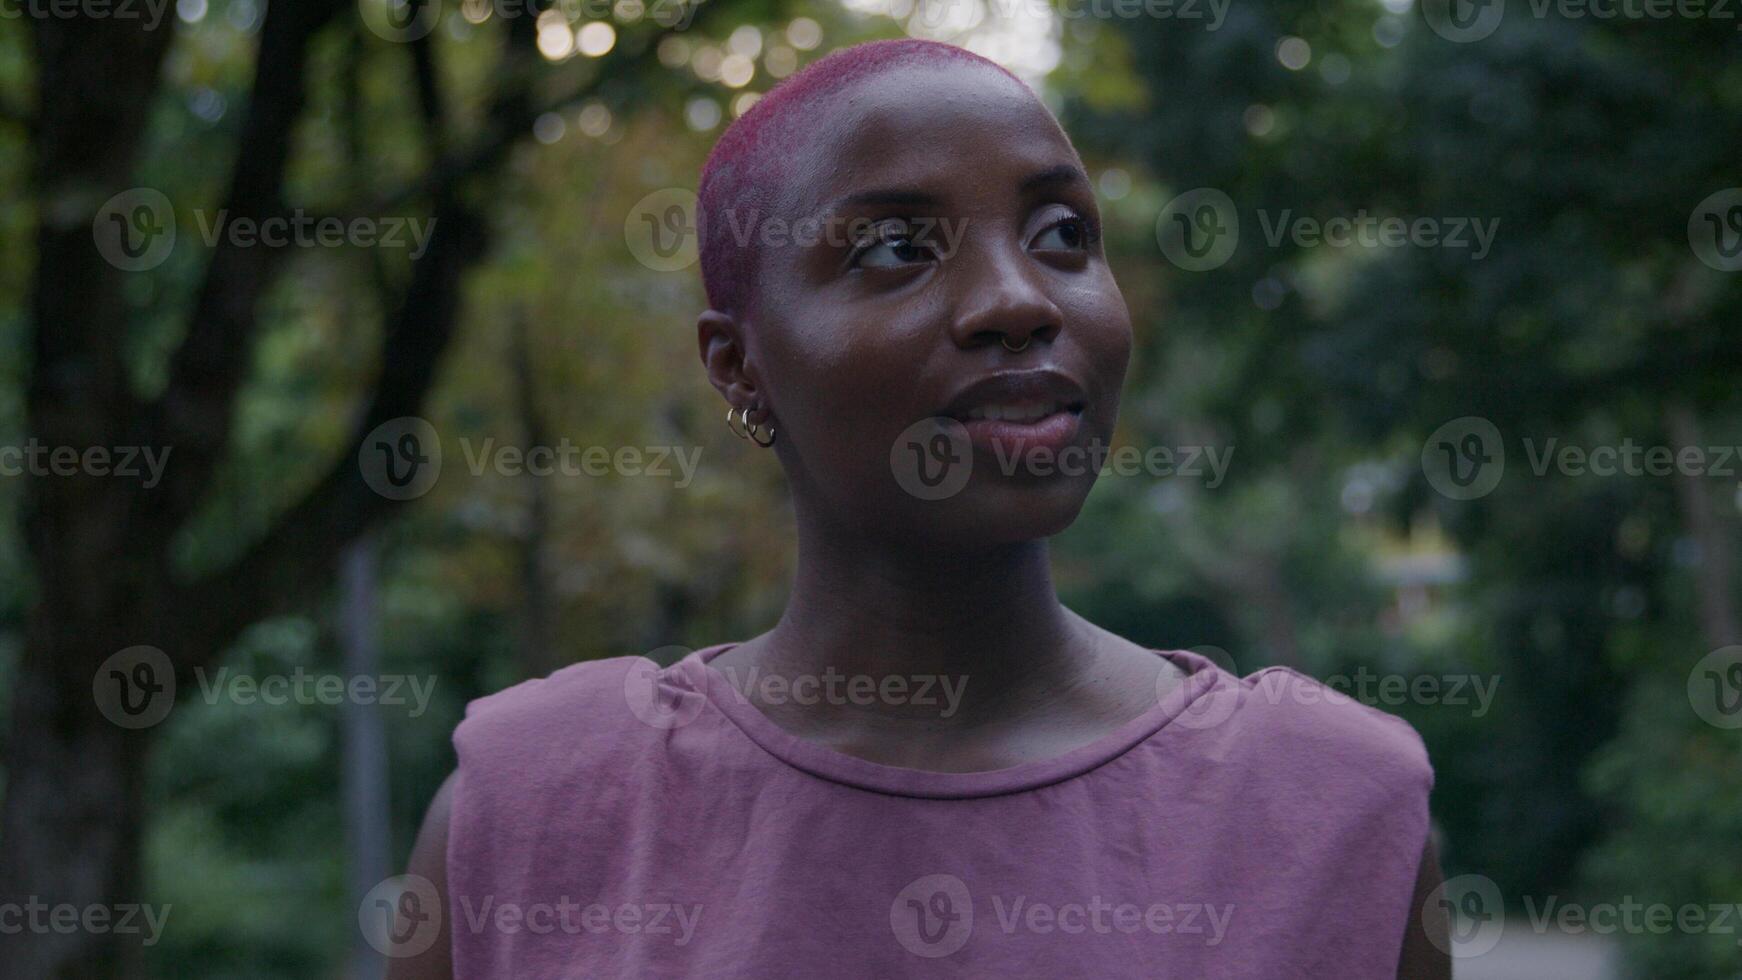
point(989, 621)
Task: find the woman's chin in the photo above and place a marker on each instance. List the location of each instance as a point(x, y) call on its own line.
point(1000, 511)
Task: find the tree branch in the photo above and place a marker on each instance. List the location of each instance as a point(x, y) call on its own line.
point(195, 413)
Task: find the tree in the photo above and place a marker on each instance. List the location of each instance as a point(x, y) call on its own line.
point(105, 553)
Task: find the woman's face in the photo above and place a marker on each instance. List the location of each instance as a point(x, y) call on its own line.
point(935, 219)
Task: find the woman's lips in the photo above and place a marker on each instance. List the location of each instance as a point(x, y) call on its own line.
point(1012, 440)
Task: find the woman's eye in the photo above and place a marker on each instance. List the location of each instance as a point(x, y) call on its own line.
point(891, 249)
point(1071, 234)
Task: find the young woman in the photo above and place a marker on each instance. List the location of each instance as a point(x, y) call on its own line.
point(928, 766)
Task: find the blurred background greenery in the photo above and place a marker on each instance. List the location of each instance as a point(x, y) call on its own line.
point(535, 137)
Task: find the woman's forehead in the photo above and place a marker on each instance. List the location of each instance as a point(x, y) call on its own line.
point(941, 129)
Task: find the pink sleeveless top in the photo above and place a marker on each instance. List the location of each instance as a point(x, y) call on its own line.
point(619, 820)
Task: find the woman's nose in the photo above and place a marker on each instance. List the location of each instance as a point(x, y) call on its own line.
point(1000, 300)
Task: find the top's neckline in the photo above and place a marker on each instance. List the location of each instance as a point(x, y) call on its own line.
point(1201, 675)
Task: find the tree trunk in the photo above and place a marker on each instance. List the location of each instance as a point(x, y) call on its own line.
point(70, 830)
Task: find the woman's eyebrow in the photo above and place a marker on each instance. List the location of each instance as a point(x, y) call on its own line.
point(1062, 174)
point(891, 196)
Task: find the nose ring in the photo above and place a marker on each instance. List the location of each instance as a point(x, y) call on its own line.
point(1016, 348)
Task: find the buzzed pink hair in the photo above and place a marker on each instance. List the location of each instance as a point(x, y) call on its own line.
point(750, 160)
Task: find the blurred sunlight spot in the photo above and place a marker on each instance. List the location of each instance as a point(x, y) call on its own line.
point(736, 70)
point(243, 15)
point(1294, 53)
point(191, 11)
point(706, 63)
point(555, 40)
point(746, 40)
point(702, 114)
point(1258, 119)
point(548, 128)
point(596, 38)
point(1115, 183)
point(207, 104)
point(673, 51)
point(804, 33)
point(780, 61)
point(594, 119)
point(1388, 30)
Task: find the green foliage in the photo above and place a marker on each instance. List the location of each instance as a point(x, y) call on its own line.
point(1320, 370)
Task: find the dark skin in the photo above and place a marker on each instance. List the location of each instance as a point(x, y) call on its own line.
point(849, 340)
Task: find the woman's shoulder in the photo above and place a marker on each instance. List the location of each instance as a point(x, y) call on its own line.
point(1324, 731)
point(610, 698)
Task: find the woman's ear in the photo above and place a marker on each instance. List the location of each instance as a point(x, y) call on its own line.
point(720, 339)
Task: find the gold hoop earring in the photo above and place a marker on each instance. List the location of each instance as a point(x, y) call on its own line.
point(756, 434)
point(1005, 340)
point(733, 428)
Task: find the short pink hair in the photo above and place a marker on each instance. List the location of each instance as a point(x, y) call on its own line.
point(749, 161)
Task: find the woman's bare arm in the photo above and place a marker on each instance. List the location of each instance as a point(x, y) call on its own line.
point(1424, 956)
point(429, 859)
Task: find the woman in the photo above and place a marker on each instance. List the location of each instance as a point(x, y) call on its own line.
point(929, 766)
